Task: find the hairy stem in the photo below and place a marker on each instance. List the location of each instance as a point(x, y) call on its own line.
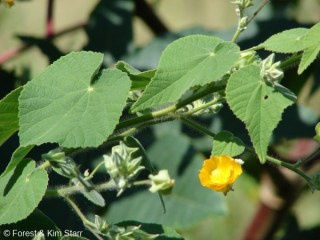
point(91, 175)
point(193, 124)
point(71, 190)
point(160, 113)
point(278, 162)
point(292, 167)
point(291, 61)
point(87, 223)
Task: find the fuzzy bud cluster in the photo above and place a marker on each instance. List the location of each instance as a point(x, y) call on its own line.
point(270, 70)
point(122, 166)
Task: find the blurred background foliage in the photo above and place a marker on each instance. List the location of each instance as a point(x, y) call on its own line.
point(137, 32)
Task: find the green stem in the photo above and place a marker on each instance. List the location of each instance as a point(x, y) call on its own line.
point(79, 213)
point(294, 59)
point(237, 34)
point(141, 183)
point(71, 190)
point(292, 167)
point(45, 165)
point(160, 113)
point(197, 126)
point(91, 175)
point(308, 159)
point(87, 223)
point(134, 129)
point(201, 107)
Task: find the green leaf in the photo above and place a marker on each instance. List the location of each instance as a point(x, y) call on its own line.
point(309, 55)
point(312, 37)
point(90, 193)
point(71, 104)
point(21, 190)
point(187, 62)
point(312, 47)
point(188, 203)
point(225, 143)
point(288, 41)
point(139, 79)
point(17, 157)
point(257, 104)
point(37, 221)
point(9, 115)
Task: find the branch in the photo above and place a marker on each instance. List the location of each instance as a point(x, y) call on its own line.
point(146, 13)
point(49, 23)
point(12, 53)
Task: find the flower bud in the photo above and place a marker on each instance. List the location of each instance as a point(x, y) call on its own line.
point(243, 23)
point(246, 58)
point(101, 225)
point(122, 166)
point(161, 182)
point(270, 71)
point(55, 157)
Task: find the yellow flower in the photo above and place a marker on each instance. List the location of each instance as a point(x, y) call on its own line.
point(220, 172)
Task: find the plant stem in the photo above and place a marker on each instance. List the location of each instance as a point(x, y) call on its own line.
point(240, 29)
point(79, 213)
point(289, 62)
point(71, 190)
point(236, 34)
point(45, 165)
point(91, 175)
point(142, 183)
point(197, 126)
point(87, 223)
point(160, 113)
point(292, 167)
point(308, 159)
point(203, 106)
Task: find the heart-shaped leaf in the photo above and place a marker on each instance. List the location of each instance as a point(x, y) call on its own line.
point(71, 104)
point(187, 62)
